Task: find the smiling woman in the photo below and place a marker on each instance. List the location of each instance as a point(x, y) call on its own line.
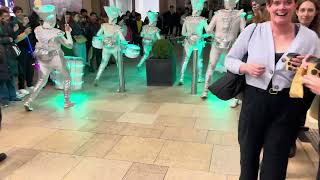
point(270, 120)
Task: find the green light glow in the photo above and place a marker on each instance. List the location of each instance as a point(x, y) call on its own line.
point(75, 65)
point(47, 8)
point(72, 83)
point(73, 75)
point(78, 98)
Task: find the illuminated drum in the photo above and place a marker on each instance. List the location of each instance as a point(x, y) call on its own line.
point(131, 51)
point(97, 42)
point(75, 66)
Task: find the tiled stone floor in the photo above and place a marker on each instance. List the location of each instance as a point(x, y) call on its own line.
point(147, 133)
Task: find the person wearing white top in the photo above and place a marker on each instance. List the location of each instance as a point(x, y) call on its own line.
point(269, 118)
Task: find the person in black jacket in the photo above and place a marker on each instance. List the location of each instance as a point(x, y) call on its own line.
point(93, 28)
point(9, 67)
point(25, 59)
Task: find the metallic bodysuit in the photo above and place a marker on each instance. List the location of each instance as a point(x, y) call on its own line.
point(51, 57)
point(192, 29)
point(150, 34)
point(226, 25)
point(112, 38)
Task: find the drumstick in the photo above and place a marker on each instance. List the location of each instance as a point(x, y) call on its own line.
point(64, 11)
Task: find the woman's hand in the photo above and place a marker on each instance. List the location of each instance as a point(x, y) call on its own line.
point(255, 70)
point(28, 31)
point(312, 82)
point(67, 28)
point(297, 61)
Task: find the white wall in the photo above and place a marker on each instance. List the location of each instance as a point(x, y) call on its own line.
point(143, 6)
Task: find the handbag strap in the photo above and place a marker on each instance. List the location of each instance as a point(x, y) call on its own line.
point(245, 57)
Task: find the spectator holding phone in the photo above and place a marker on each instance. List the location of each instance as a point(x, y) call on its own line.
point(269, 118)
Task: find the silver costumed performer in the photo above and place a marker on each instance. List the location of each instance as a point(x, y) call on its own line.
point(192, 29)
point(49, 54)
point(226, 25)
point(150, 33)
point(112, 38)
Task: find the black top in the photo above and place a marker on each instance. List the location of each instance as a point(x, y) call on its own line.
point(277, 55)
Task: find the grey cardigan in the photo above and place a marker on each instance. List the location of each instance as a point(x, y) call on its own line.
point(261, 51)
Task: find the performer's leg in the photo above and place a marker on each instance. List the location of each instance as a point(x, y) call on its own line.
point(103, 65)
point(66, 85)
point(214, 57)
point(188, 53)
point(147, 49)
point(200, 65)
point(43, 74)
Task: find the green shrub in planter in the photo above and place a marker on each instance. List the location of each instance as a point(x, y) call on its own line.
point(163, 49)
point(161, 67)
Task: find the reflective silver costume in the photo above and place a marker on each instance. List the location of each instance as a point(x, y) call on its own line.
point(226, 24)
point(150, 33)
point(49, 54)
point(192, 29)
point(112, 38)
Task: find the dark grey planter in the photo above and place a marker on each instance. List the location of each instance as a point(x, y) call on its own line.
point(161, 72)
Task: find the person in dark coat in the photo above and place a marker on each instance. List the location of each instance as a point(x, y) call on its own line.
point(93, 28)
point(9, 67)
point(25, 59)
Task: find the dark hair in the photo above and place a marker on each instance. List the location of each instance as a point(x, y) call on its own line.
point(83, 10)
point(3, 10)
point(63, 19)
point(269, 2)
point(68, 13)
point(17, 8)
point(315, 23)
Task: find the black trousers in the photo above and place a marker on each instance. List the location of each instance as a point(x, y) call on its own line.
point(26, 71)
point(308, 99)
point(97, 55)
point(270, 122)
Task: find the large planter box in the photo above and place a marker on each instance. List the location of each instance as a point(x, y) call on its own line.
point(160, 72)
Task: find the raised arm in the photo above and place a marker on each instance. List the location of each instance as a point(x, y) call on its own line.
point(67, 42)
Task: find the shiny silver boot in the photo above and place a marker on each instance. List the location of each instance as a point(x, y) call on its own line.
point(36, 90)
point(28, 107)
point(67, 89)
